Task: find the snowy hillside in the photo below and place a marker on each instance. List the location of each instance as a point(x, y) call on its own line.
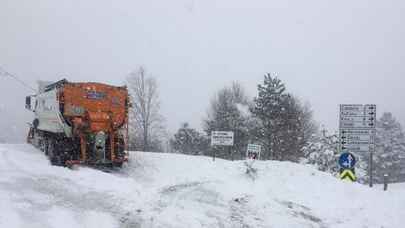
point(167, 190)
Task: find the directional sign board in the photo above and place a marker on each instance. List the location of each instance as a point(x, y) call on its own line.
point(356, 135)
point(357, 116)
point(222, 138)
point(253, 151)
point(357, 127)
point(359, 148)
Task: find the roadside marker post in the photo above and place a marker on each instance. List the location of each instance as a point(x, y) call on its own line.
point(385, 182)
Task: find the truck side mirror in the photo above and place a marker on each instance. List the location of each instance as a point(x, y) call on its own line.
point(28, 102)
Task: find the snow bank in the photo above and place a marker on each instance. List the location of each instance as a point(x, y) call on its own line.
point(169, 190)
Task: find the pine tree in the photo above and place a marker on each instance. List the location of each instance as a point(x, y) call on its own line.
point(390, 149)
point(226, 114)
point(292, 134)
point(268, 109)
point(285, 125)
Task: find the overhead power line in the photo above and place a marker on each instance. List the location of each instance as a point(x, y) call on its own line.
point(5, 73)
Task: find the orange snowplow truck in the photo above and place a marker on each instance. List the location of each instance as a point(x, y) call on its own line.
point(80, 123)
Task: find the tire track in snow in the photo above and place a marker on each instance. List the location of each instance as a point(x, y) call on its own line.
point(242, 215)
point(186, 195)
point(68, 195)
point(233, 213)
point(303, 212)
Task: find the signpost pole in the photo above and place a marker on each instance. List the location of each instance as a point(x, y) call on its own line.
point(385, 182)
point(370, 162)
point(370, 170)
point(213, 154)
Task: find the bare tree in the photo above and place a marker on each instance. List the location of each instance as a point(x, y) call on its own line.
point(146, 121)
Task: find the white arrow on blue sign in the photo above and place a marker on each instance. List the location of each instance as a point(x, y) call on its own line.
point(347, 161)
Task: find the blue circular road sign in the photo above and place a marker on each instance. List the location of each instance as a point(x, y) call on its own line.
point(347, 161)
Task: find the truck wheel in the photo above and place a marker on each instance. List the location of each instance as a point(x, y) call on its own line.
point(46, 146)
point(58, 156)
point(35, 123)
point(117, 165)
point(51, 152)
point(120, 148)
point(57, 161)
point(54, 153)
point(54, 160)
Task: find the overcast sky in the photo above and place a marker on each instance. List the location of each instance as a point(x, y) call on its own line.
point(327, 52)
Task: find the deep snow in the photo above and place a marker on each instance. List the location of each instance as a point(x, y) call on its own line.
point(169, 190)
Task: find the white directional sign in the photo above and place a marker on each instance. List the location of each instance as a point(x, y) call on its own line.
point(357, 148)
point(352, 110)
point(356, 124)
point(357, 119)
point(222, 138)
point(357, 116)
point(360, 138)
point(357, 131)
point(357, 127)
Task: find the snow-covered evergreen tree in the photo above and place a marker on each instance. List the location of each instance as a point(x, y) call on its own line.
point(226, 113)
point(285, 125)
point(390, 149)
point(322, 152)
point(269, 110)
point(189, 141)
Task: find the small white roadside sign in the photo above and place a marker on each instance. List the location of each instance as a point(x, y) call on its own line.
point(222, 138)
point(253, 151)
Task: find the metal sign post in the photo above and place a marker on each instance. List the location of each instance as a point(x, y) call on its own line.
point(357, 130)
point(370, 169)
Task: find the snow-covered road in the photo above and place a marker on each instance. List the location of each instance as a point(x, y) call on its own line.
point(168, 190)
